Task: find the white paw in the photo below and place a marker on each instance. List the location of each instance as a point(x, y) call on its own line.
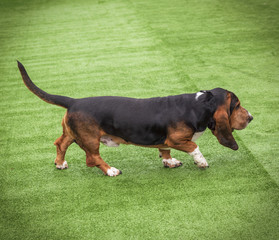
point(112, 172)
point(202, 164)
point(200, 161)
point(62, 166)
point(171, 163)
point(199, 158)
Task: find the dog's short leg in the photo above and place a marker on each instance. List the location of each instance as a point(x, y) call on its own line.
point(62, 143)
point(168, 161)
point(88, 135)
point(193, 150)
point(199, 158)
point(95, 159)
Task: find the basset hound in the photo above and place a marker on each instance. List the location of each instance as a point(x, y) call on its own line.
point(161, 122)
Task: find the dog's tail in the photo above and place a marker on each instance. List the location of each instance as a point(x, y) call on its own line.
point(62, 101)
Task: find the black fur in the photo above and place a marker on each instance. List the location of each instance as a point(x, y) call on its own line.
point(146, 121)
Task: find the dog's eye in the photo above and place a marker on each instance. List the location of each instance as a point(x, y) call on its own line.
point(237, 106)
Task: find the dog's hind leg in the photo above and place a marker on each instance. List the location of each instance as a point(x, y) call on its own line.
point(87, 135)
point(62, 143)
point(93, 159)
point(89, 140)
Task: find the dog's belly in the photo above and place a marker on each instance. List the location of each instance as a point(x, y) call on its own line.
point(113, 141)
point(135, 136)
point(135, 132)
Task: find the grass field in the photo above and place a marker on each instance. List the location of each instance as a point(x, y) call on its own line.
point(139, 49)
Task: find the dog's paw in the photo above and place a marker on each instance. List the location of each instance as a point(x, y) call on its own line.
point(112, 172)
point(171, 163)
point(199, 159)
point(64, 165)
point(202, 164)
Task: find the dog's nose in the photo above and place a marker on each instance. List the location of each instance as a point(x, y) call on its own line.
point(250, 118)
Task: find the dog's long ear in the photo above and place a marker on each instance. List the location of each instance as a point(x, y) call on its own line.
point(222, 129)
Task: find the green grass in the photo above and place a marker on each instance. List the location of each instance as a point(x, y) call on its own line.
point(138, 49)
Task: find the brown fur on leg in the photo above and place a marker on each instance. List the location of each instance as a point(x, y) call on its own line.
point(62, 143)
point(180, 136)
point(168, 161)
point(165, 154)
point(87, 135)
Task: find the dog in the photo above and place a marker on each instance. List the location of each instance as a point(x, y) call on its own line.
point(165, 123)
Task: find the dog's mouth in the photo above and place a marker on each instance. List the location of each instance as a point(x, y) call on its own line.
point(241, 127)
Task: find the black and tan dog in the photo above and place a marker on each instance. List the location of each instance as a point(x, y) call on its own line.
point(162, 122)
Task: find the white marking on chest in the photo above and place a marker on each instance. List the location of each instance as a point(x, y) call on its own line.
point(196, 136)
point(108, 141)
point(198, 94)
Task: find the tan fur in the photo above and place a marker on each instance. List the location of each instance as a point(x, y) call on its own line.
point(179, 137)
point(238, 119)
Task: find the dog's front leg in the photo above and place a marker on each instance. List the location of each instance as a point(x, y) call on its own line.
point(199, 158)
point(192, 149)
point(168, 161)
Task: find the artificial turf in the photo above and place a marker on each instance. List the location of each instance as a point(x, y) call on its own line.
point(138, 49)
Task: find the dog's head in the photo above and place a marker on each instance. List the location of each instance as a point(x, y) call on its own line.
point(228, 116)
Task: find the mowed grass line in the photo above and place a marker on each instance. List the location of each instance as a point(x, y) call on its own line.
point(138, 49)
